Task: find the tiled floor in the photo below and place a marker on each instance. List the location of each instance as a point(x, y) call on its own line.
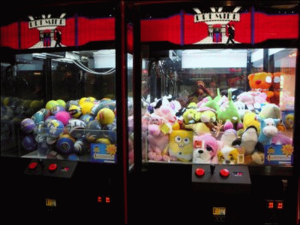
point(41, 45)
point(208, 40)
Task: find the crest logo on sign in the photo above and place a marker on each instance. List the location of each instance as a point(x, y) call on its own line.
point(217, 15)
point(219, 28)
point(47, 22)
point(50, 36)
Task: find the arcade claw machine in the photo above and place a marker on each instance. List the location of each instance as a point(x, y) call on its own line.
point(217, 105)
point(64, 110)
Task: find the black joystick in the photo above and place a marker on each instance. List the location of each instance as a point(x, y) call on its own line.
point(212, 168)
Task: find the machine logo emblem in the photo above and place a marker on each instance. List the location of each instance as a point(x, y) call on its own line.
point(49, 33)
point(220, 27)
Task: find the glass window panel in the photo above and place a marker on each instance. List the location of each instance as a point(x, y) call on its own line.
point(213, 105)
point(60, 105)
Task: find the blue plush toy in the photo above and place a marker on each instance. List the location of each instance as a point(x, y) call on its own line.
point(268, 130)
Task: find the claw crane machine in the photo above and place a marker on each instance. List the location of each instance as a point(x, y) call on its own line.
point(64, 109)
point(216, 110)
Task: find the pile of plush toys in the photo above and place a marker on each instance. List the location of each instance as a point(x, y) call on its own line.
point(67, 129)
point(216, 130)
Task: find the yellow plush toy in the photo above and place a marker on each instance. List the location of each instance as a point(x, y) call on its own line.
point(228, 155)
point(250, 119)
point(181, 145)
point(198, 128)
point(191, 116)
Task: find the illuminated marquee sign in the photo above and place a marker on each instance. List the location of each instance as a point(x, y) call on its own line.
point(208, 17)
point(216, 15)
point(46, 22)
point(219, 25)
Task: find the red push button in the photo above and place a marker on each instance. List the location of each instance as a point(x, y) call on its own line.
point(52, 167)
point(279, 205)
point(199, 172)
point(32, 165)
point(270, 205)
point(224, 173)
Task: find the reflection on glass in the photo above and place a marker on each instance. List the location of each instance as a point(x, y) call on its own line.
point(222, 106)
point(60, 105)
point(130, 110)
point(130, 94)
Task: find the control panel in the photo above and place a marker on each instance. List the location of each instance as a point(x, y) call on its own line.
point(230, 179)
point(51, 168)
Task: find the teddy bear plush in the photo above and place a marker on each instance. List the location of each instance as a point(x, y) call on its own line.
point(262, 82)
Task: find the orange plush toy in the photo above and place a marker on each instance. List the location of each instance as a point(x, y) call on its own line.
point(262, 82)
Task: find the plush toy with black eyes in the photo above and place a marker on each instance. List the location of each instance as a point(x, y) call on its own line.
point(205, 149)
point(268, 130)
point(253, 149)
point(261, 82)
point(180, 146)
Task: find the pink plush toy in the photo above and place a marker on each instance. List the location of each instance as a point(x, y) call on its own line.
point(159, 127)
point(202, 102)
point(248, 99)
point(157, 139)
point(166, 113)
point(252, 99)
point(281, 139)
point(260, 97)
point(205, 149)
point(175, 105)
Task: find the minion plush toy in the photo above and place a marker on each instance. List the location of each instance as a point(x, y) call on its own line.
point(75, 111)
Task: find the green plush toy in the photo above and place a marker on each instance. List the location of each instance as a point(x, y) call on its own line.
point(213, 103)
point(229, 114)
